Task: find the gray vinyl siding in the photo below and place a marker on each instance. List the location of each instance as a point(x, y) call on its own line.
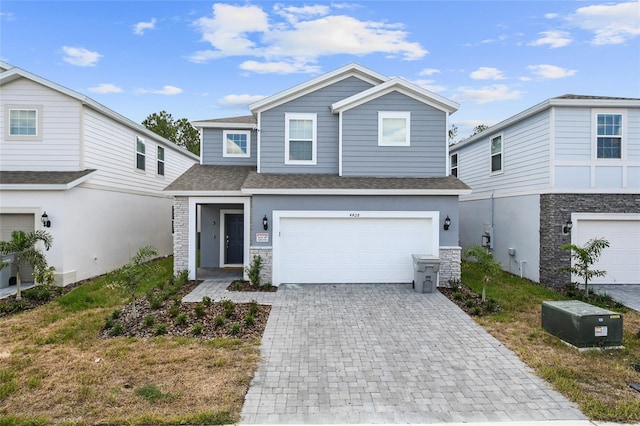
point(426, 155)
point(272, 127)
point(525, 158)
point(265, 204)
point(212, 146)
point(573, 139)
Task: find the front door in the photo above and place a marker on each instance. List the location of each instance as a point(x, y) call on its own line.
point(234, 239)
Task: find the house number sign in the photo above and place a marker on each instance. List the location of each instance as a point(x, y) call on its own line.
point(354, 215)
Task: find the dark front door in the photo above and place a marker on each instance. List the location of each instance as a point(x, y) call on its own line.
point(234, 239)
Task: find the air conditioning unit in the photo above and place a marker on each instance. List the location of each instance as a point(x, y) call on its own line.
point(582, 325)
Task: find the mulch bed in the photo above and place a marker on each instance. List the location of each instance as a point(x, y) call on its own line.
point(469, 301)
point(244, 321)
point(242, 285)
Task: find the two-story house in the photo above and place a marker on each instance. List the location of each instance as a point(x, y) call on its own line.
point(336, 180)
point(564, 171)
point(90, 177)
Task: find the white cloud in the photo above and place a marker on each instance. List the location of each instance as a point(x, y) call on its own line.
point(487, 73)
point(9, 16)
point(279, 67)
point(166, 90)
point(554, 39)
point(551, 15)
point(239, 100)
point(428, 71)
point(611, 24)
point(105, 88)
point(429, 85)
point(482, 95)
point(141, 27)
point(551, 71)
point(80, 56)
point(297, 36)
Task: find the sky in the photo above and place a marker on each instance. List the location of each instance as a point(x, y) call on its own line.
point(204, 59)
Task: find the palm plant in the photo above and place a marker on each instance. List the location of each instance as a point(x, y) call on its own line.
point(584, 257)
point(23, 248)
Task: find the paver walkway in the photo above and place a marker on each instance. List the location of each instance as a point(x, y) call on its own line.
point(385, 354)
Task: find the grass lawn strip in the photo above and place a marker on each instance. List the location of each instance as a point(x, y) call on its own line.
point(54, 367)
point(596, 380)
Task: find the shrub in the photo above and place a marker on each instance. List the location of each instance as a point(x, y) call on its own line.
point(206, 301)
point(182, 277)
point(229, 308)
point(155, 302)
point(468, 303)
point(249, 320)
point(219, 321)
point(199, 310)
point(117, 329)
point(235, 329)
point(253, 308)
point(160, 329)
point(253, 271)
point(174, 311)
point(454, 283)
point(43, 292)
point(181, 319)
point(149, 320)
point(196, 329)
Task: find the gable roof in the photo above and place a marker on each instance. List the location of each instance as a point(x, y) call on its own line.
point(396, 85)
point(242, 122)
point(42, 180)
point(243, 180)
point(349, 70)
point(12, 73)
point(567, 100)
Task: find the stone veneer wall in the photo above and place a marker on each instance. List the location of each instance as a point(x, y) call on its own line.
point(267, 262)
point(180, 234)
point(555, 210)
point(450, 268)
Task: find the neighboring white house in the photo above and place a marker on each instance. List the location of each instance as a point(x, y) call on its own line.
point(563, 171)
point(97, 176)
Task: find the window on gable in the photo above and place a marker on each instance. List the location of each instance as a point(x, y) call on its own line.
point(496, 154)
point(23, 122)
point(454, 165)
point(140, 153)
point(609, 136)
point(394, 128)
point(301, 138)
point(236, 143)
point(161, 161)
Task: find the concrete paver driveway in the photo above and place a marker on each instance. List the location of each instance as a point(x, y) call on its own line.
point(385, 354)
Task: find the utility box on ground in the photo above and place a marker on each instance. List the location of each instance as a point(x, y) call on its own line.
point(582, 325)
point(425, 273)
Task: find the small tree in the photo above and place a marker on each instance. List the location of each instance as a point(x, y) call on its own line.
point(253, 271)
point(22, 247)
point(487, 264)
point(131, 275)
point(584, 257)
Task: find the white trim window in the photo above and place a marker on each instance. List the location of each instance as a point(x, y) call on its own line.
point(236, 143)
point(394, 128)
point(23, 122)
point(609, 135)
point(140, 153)
point(301, 141)
point(160, 167)
point(454, 165)
point(496, 154)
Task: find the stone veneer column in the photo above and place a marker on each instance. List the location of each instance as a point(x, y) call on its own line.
point(450, 268)
point(180, 234)
point(555, 210)
point(266, 253)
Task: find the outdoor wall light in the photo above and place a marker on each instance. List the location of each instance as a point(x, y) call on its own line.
point(447, 223)
point(566, 228)
point(265, 222)
point(45, 220)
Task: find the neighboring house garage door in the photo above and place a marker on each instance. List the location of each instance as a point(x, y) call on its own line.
point(621, 259)
point(348, 247)
point(10, 222)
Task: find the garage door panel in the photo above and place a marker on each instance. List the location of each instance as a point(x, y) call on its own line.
point(343, 250)
point(621, 260)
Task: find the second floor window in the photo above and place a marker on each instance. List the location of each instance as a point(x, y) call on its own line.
point(454, 165)
point(496, 154)
point(140, 153)
point(161, 161)
point(236, 143)
point(300, 134)
point(609, 136)
point(23, 122)
point(394, 128)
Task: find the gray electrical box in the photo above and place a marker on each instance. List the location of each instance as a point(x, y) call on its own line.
point(581, 324)
point(425, 273)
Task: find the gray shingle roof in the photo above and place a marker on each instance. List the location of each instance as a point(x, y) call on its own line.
point(236, 178)
point(570, 96)
point(40, 178)
point(245, 119)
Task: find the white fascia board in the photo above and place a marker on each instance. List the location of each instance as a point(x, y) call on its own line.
point(350, 70)
point(15, 73)
point(303, 191)
point(222, 125)
point(402, 86)
point(206, 193)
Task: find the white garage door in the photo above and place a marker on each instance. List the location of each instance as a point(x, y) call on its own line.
point(621, 259)
point(10, 222)
point(347, 247)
